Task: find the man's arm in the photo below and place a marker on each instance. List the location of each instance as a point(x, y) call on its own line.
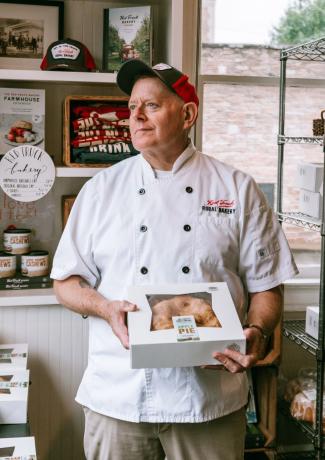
point(265, 311)
point(76, 294)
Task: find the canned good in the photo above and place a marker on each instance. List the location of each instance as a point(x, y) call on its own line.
point(7, 265)
point(35, 263)
point(17, 240)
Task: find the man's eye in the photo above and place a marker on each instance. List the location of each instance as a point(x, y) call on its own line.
point(152, 105)
point(131, 107)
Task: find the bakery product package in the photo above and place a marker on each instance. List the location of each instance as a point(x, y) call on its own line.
point(181, 325)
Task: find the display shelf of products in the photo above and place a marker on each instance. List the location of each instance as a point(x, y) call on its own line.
point(295, 331)
point(301, 220)
point(318, 140)
point(57, 76)
point(65, 171)
point(25, 297)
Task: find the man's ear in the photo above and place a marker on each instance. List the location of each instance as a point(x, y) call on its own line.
point(190, 114)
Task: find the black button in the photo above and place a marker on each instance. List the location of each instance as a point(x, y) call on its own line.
point(185, 269)
point(187, 228)
point(189, 189)
point(144, 270)
point(143, 228)
point(142, 191)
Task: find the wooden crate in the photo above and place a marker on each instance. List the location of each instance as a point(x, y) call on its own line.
point(69, 103)
point(67, 203)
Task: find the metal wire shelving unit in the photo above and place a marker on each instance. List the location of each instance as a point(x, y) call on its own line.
point(294, 330)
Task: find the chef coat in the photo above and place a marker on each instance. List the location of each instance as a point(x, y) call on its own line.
point(204, 222)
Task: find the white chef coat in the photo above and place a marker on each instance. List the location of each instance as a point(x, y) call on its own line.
point(205, 222)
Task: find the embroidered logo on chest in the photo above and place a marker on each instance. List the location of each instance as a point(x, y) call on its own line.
point(220, 206)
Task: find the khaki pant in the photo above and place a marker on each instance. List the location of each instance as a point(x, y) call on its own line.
point(107, 438)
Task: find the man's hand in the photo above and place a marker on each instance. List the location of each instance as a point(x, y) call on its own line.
point(76, 294)
point(234, 362)
point(116, 315)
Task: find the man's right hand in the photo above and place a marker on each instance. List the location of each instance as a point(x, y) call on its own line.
point(116, 315)
point(75, 293)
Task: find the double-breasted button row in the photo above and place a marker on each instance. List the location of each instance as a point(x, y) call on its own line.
point(188, 190)
point(185, 269)
point(187, 228)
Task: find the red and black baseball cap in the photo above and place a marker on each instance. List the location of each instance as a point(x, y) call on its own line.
point(68, 54)
point(175, 80)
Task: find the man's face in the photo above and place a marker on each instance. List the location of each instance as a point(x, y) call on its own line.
point(157, 117)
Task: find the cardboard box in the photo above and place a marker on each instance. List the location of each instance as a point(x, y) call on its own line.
point(14, 396)
point(311, 327)
point(311, 203)
point(13, 356)
point(182, 325)
point(18, 448)
point(310, 176)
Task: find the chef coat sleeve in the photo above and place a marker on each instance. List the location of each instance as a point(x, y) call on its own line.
point(265, 259)
point(74, 254)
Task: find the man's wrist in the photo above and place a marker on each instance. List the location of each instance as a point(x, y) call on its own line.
point(265, 334)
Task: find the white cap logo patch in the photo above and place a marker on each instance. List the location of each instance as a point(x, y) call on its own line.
point(161, 66)
point(65, 51)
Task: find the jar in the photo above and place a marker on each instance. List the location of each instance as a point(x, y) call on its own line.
point(7, 265)
point(17, 240)
point(35, 263)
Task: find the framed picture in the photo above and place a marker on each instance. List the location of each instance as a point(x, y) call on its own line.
point(67, 203)
point(127, 35)
point(27, 28)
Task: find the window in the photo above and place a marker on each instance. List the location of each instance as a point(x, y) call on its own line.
point(238, 81)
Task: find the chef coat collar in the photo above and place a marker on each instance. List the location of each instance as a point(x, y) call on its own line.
point(181, 163)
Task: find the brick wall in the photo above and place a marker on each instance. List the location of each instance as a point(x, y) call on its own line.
point(240, 122)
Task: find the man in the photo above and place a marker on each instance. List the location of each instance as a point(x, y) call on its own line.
point(168, 215)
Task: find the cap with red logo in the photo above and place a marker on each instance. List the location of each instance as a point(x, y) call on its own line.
point(175, 80)
point(68, 54)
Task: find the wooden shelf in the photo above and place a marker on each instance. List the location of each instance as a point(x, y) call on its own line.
point(23, 297)
point(65, 171)
point(57, 76)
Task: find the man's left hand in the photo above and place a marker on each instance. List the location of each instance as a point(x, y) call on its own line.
point(234, 361)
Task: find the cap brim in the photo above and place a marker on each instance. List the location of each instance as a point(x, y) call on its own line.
point(129, 71)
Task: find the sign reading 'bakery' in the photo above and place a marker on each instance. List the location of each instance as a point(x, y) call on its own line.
point(27, 173)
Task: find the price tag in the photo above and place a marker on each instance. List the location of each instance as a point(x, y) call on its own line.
point(27, 173)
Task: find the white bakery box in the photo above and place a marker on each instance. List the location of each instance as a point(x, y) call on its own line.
point(181, 325)
point(310, 176)
point(14, 396)
point(311, 203)
point(311, 327)
point(13, 356)
point(18, 448)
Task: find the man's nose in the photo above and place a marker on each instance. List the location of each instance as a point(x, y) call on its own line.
point(138, 113)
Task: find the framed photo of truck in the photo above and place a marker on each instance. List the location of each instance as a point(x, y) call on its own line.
point(127, 35)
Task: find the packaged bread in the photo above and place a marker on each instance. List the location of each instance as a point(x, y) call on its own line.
point(303, 407)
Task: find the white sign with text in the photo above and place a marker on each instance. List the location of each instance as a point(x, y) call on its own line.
point(27, 173)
